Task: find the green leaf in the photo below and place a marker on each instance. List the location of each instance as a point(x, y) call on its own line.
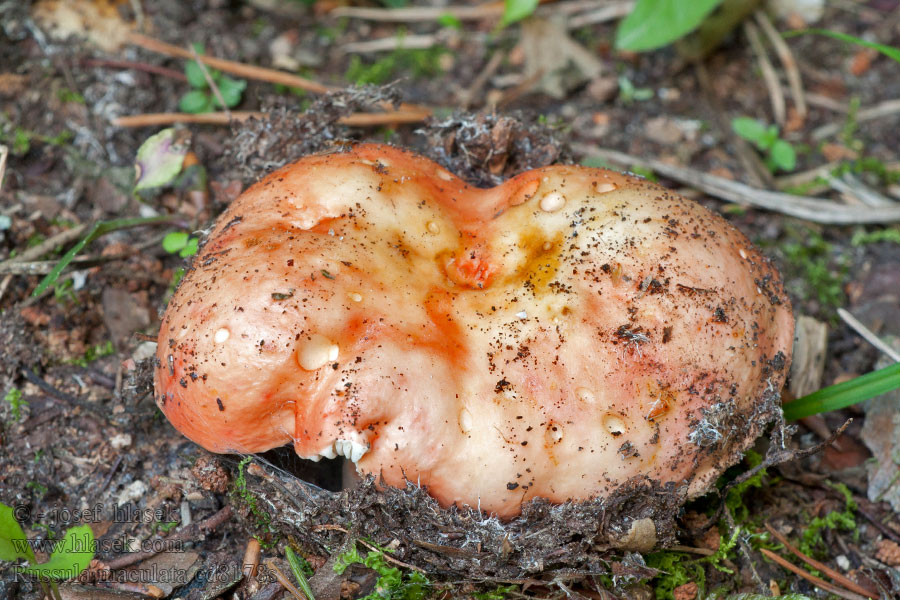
point(70, 556)
point(449, 20)
point(190, 248)
point(655, 23)
point(783, 155)
point(516, 10)
point(749, 129)
point(889, 51)
point(231, 90)
point(159, 159)
point(195, 102)
point(99, 229)
point(845, 394)
point(13, 543)
point(174, 241)
point(195, 75)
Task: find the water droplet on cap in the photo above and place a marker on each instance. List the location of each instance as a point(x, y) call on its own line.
point(552, 202)
point(316, 352)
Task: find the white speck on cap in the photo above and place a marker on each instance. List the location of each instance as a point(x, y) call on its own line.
point(605, 187)
point(465, 420)
point(433, 227)
point(222, 335)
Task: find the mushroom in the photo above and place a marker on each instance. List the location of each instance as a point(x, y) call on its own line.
point(563, 334)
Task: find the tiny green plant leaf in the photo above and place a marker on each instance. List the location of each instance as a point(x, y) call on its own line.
point(181, 243)
point(450, 20)
point(780, 155)
point(749, 129)
point(231, 90)
point(16, 403)
point(655, 23)
point(889, 51)
point(194, 73)
point(201, 99)
point(195, 102)
point(516, 10)
point(844, 394)
point(160, 158)
point(783, 155)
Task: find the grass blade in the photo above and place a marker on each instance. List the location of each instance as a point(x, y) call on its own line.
point(99, 229)
point(299, 575)
point(888, 51)
point(844, 394)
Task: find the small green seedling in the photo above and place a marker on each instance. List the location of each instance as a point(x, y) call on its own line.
point(628, 93)
point(179, 242)
point(780, 155)
point(392, 583)
point(16, 403)
point(202, 99)
point(69, 556)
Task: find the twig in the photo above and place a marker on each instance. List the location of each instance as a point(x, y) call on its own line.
point(58, 394)
point(806, 177)
point(467, 96)
point(394, 42)
point(42, 267)
point(787, 61)
point(251, 558)
point(692, 550)
point(188, 533)
point(776, 94)
point(759, 175)
point(816, 581)
point(230, 66)
point(745, 550)
point(60, 239)
point(133, 65)
point(604, 14)
point(112, 472)
point(284, 581)
point(856, 189)
point(390, 558)
point(4, 152)
point(212, 84)
point(887, 531)
point(844, 581)
point(488, 10)
point(868, 335)
point(884, 109)
point(220, 118)
point(803, 207)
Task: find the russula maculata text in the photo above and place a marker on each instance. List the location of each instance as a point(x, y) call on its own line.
point(557, 336)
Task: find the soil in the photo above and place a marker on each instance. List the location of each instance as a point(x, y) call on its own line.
point(80, 432)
